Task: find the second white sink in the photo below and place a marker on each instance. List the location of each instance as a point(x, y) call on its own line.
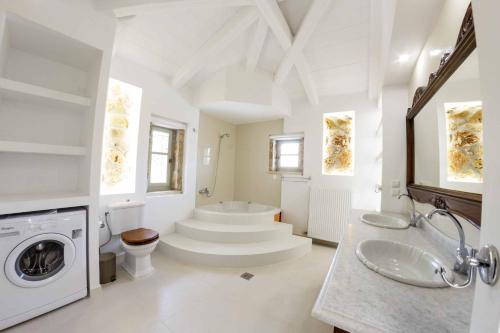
point(384, 221)
point(402, 263)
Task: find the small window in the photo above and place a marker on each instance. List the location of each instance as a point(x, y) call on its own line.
point(166, 146)
point(286, 153)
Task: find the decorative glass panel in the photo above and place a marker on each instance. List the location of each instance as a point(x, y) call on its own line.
point(121, 130)
point(338, 143)
point(464, 126)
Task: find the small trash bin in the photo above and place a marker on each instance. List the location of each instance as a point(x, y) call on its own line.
point(107, 267)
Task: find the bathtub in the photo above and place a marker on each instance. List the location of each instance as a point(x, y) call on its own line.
point(236, 212)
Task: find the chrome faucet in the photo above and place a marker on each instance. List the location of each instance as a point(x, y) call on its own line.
point(204, 191)
point(461, 265)
point(414, 217)
point(485, 261)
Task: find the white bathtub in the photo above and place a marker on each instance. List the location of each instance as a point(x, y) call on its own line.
point(236, 212)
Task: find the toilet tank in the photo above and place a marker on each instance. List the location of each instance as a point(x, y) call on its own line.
point(124, 216)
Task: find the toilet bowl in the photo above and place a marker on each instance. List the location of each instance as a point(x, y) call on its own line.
point(138, 245)
point(138, 242)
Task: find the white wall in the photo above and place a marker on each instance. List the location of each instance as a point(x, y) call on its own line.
point(394, 104)
point(79, 19)
point(161, 100)
point(240, 96)
point(309, 119)
point(208, 137)
point(443, 36)
point(485, 316)
point(253, 182)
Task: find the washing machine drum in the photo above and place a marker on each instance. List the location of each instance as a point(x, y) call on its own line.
point(40, 260)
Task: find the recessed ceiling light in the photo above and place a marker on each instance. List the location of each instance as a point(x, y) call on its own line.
point(435, 52)
point(403, 58)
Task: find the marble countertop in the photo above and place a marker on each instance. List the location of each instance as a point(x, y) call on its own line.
point(358, 300)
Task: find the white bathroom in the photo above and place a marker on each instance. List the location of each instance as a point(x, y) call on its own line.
point(185, 166)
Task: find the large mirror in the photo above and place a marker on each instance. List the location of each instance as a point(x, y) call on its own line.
point(445, 132)
point(449, 134)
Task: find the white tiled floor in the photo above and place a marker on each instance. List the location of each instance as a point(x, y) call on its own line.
point(189, 299)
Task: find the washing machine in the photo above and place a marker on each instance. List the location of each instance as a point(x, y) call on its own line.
point(43, 260)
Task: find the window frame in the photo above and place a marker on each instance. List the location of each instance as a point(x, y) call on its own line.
point(275, 143)
point(160, 187)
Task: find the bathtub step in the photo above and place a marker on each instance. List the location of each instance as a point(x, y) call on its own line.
point(227, 233)
point(233, 255)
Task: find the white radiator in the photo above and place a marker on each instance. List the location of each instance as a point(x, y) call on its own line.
point(329, 213)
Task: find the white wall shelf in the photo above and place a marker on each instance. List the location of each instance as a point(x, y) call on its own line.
point(23, 91)
point(48, 91)
point(39, 148)
point(18, 203)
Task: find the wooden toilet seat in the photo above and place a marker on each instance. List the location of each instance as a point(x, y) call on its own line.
point(141, 236)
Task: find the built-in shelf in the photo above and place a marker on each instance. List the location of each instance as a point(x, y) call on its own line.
point(25, 91)
point(40, 148)
point(19, 203)
point(48, 87)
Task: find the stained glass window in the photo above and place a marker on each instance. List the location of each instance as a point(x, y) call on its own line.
point(121, 129)
point(338, 143)
point(464, 132)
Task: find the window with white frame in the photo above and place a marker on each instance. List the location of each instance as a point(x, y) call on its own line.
point(286, 153)
point(166, 150)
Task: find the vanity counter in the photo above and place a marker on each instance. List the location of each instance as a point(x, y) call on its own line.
point(356, 299)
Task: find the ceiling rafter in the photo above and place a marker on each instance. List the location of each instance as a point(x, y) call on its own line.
point(124, 8)
point(236, 26)
point(255, 48)
point(309, 24)
point(274, 17)
point(147, 7)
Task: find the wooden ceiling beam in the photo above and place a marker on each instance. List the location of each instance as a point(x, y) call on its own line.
point(274, 17)
point(126, 8)
point(233, 29)
point(307, 27)
point(132, 8)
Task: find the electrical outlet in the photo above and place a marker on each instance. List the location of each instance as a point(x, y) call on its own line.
point(395, 183)
point(395, 192)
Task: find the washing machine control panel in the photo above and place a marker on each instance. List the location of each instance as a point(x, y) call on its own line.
point(27, 226)
point(10, 230)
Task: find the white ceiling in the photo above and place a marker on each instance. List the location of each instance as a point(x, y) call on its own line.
point(413, 22)
point(337, 51)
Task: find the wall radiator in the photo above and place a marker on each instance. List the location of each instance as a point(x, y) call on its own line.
point(329, 213)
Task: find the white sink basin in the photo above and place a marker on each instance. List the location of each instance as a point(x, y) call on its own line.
point(384, 221)
point(403, 263)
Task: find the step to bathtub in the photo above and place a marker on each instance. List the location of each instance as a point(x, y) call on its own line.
point(227, 233)
point(230, 254)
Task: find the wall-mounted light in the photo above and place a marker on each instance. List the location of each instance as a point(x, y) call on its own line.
point(403, 58)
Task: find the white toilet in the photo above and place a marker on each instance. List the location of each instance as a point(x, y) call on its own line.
point(126, 219)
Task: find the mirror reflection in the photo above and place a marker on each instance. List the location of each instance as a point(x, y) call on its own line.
point(449, 134)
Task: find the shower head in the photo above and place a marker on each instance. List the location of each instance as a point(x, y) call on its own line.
point(222, 136)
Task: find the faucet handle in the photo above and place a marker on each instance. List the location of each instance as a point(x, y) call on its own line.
point(460, 257)
point(486, 261)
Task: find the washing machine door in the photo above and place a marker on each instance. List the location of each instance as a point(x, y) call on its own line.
point(40, 260)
